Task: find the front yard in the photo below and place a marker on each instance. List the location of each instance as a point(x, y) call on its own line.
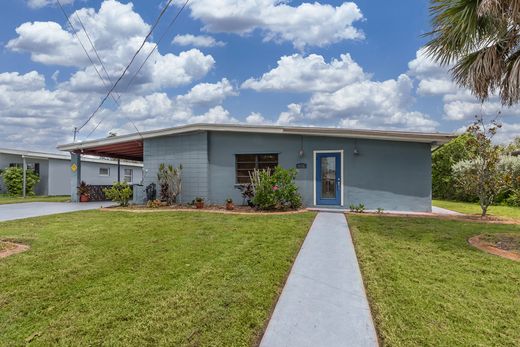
point(121, 278)
point(8, 199)
point(474, 208)
point(428, 287)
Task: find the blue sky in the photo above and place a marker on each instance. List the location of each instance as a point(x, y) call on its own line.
point(329, 63)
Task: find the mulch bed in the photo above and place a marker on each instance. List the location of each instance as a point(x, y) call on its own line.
point(9, 248)
point(207, 208)
point(503, 245)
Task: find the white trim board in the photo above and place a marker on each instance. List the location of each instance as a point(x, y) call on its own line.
point(341, 151)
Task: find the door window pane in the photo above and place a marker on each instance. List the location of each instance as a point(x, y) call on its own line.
point(328, 177)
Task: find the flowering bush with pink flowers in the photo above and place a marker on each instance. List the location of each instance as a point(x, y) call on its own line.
point(276, 190)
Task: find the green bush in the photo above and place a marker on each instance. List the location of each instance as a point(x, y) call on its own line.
point(120, 192)
point(443, 181)
point(276, 190)
point(13, 180)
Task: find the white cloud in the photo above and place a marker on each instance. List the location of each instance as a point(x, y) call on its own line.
point(309, 24)
point(42, 3)
point(308, 74)
point(256, 118)
point(33, 115)
point(117, 32)
point(292, 115)
point(14, 81)
point(208, 94)
point(371, 104)
point(197, 41)
point(459, 103)
point(216, 114)
point(48, 44)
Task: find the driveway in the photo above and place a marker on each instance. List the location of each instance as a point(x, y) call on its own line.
point(36, 209)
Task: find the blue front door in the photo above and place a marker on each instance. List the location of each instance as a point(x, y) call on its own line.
point(328, 178)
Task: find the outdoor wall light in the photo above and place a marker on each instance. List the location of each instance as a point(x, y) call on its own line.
point(356, 151)
point(301, 153)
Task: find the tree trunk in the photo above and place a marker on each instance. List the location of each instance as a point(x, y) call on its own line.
point(484, 211)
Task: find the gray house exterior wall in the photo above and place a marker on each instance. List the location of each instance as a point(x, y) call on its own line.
point(55, 173)
point(385, 174)
point(42, 186)
point(190, 150)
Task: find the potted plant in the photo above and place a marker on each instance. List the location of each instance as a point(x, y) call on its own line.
point(83, 192)
point(229, 204)
point(199, 202)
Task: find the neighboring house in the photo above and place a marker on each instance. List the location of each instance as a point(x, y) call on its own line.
point(54, 170)
point(336, 167)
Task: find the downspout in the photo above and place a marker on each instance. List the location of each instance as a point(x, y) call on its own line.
point(118, 170)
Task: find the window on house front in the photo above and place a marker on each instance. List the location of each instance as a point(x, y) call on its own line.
point(104, 171)
point(245, 163)
point(15, 165)
point(35, 167)
point(128, 175)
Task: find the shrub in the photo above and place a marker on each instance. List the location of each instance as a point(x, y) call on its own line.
point(120, 192)
point(170, 182)
point(276, 190)
point(83, 189)
point(360, 208)
point(510, 166)
point(13, 180)
point(248, 193)
point(443, 159)
point(153, 203)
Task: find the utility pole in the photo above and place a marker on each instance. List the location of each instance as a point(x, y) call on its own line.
point(75, 133)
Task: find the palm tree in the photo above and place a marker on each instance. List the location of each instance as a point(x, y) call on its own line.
point(481, 38)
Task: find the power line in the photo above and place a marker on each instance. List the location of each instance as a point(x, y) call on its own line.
point(94, 48)
point(145, 60)
point(157, 44)
point(82, 46)
point(127, 67)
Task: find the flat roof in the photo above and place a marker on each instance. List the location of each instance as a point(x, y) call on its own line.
point(59, 156)
point(131, 146)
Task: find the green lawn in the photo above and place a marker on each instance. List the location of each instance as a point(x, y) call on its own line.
point(135, 279)
point(474, 208)
point(428, 287)
point(7, 199)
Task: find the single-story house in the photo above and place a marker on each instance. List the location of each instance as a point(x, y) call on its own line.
point(54, 170)
point(335, 167)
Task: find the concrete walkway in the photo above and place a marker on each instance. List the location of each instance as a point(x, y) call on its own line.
point(36, 209)
point(444, 211)
point(323, 302)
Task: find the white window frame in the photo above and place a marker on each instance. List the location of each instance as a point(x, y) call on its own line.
point(131, 175)
point(103, 175)
point(314, 173)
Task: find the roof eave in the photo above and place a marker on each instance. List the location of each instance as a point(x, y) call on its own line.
point(437, 138)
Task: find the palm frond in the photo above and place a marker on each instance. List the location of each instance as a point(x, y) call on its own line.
point(510, 87)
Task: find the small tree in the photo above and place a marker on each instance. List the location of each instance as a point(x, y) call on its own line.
point(170, 182)
point(120, 192)
point(480, 175)
point(13, 180)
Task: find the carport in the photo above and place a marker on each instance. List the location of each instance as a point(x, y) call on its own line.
point(126, 147)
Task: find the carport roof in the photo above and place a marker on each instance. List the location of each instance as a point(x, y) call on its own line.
point(131, 146)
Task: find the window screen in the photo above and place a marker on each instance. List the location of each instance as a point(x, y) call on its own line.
point(245, 163)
